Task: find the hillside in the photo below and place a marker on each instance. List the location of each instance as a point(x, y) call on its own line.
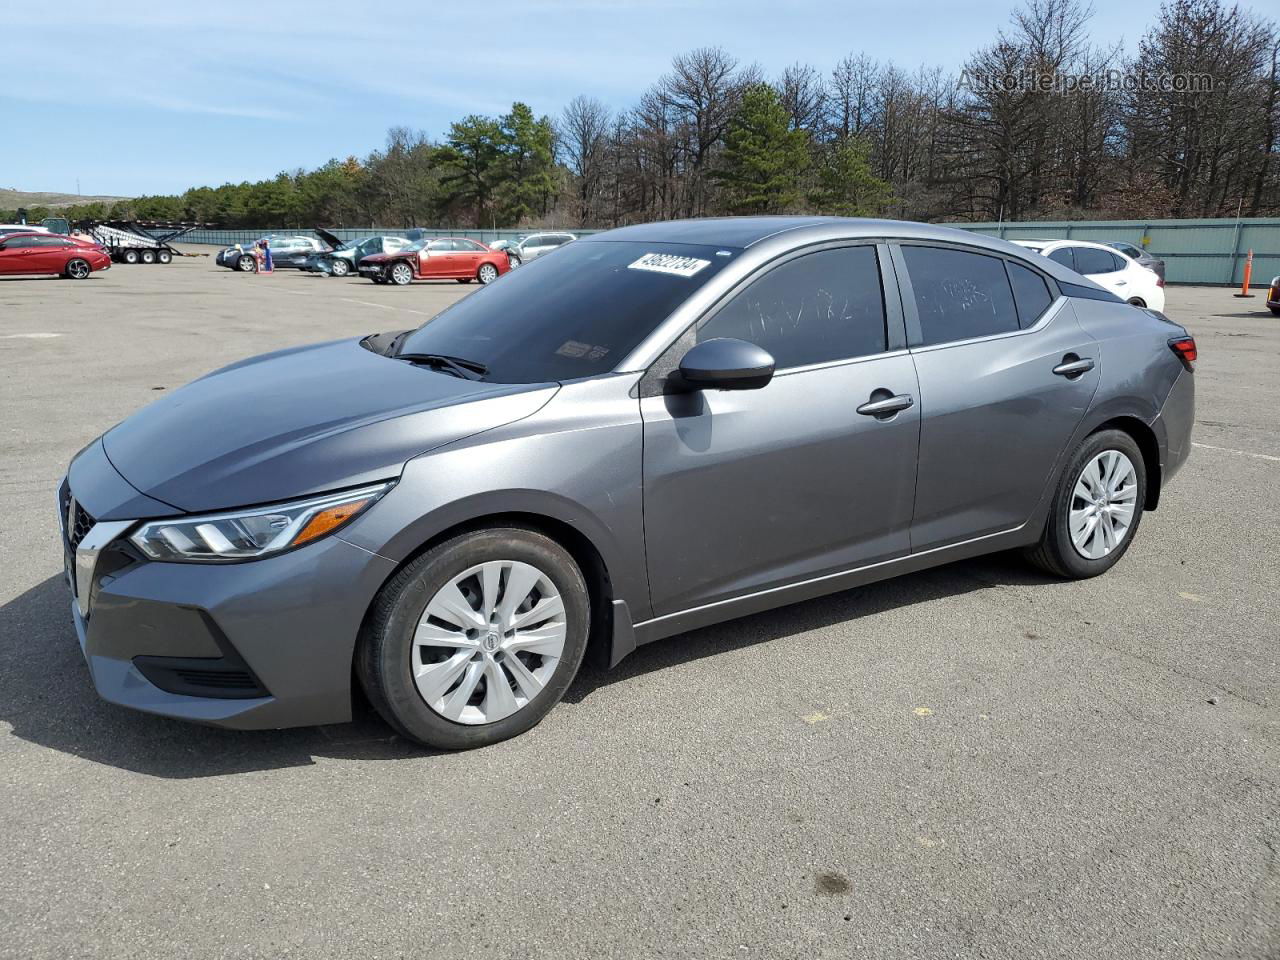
point(12, 199)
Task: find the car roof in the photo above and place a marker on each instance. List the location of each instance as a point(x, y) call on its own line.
point(787, 233)
point(25, 227)
point(1062, 242)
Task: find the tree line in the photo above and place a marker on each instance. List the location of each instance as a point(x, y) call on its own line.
point(1042, 123)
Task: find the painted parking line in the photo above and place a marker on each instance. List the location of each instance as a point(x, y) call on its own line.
point(29, 336)
point(1238, 453)
point(385, 306)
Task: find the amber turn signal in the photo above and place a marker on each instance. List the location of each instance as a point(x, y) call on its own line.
point(329, 519)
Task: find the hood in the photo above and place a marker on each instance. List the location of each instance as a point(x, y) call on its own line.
point(303, 421)
point(330, 238)
point(382, 257)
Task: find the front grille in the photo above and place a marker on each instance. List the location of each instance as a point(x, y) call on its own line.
point(76, 520)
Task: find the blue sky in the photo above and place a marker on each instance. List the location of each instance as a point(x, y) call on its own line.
point(156, 97)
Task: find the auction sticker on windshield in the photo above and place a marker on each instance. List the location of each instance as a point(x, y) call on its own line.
point(669, 263)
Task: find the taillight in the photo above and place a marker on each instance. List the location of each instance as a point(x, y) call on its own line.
point(1185, 348)
point(1159, 281)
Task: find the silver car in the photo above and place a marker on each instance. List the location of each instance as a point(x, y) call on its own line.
point(659, 428)
point(535, 245)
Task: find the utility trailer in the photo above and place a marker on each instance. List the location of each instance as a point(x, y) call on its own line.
point(130, 242)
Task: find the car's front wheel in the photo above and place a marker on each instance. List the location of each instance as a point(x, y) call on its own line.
point(339, 267)
point(477, 639)
point(487, 273)
point(246, 263)
point(1096, 508)
point(401, 273)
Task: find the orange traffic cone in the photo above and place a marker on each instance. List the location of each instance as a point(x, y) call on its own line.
point(1248, 272)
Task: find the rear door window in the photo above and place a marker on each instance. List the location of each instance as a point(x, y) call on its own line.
point(959, 295)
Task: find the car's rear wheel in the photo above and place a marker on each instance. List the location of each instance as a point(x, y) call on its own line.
point(147, 256)
point(129, 256)
point(163, 256)
point(1137, 301)
point(247, 263)
point(487, 273)
point(401, 273)
point(339, 267)
point(477, 639)
point(78, 269)
point(1096, 508)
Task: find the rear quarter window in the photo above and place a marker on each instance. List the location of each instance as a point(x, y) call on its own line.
point(1030, 293)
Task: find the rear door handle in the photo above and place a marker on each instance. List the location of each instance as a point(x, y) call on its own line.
point(1072, 367)
point(886, 407)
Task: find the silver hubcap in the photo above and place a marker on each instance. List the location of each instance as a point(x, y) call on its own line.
point(1103, 504)
point(339, 268)
point(401, 273)
point(488, 273)
point(79, 269)
point(488, 642)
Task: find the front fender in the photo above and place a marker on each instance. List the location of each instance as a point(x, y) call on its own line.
point(576, 461)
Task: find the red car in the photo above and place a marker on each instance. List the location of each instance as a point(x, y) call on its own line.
point(41, 253)
point(446, 258)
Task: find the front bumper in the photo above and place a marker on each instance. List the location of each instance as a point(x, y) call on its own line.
point(261, 644)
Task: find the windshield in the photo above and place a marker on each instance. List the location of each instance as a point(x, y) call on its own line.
point(575, 314)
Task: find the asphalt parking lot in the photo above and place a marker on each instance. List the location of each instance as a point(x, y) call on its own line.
point(971, 761)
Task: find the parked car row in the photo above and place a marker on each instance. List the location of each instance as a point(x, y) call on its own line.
point(459, 258)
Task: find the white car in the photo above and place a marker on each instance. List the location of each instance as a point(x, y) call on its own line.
point(535, 245)
point(1106, 267)
point(21, 228)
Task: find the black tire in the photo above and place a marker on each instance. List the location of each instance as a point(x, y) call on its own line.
point(1138, 302)
point(487, 273)
point(247, 263)
point(163, 256)
point(463, 279)
point(1275, 310)
point(399, 273)
point(1055, 553)
point(129, 256)
point(339, 267)
point(384, 653)
point(77, 269)
point(147, 256)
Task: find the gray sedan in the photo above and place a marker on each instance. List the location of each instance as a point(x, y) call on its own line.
point(658, 428)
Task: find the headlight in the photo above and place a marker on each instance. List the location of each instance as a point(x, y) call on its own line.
point(253, 533)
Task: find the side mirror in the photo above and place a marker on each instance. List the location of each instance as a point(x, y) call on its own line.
point(726, 364)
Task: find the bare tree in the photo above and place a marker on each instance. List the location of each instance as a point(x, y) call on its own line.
point(581, 136)
point(803, 95)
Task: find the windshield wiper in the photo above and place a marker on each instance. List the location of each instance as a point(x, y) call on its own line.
point(458, 366)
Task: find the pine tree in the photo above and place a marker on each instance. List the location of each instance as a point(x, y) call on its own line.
point(763, 157)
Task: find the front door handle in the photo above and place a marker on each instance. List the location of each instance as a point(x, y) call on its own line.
point(886, 406)
point(1073, 366)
